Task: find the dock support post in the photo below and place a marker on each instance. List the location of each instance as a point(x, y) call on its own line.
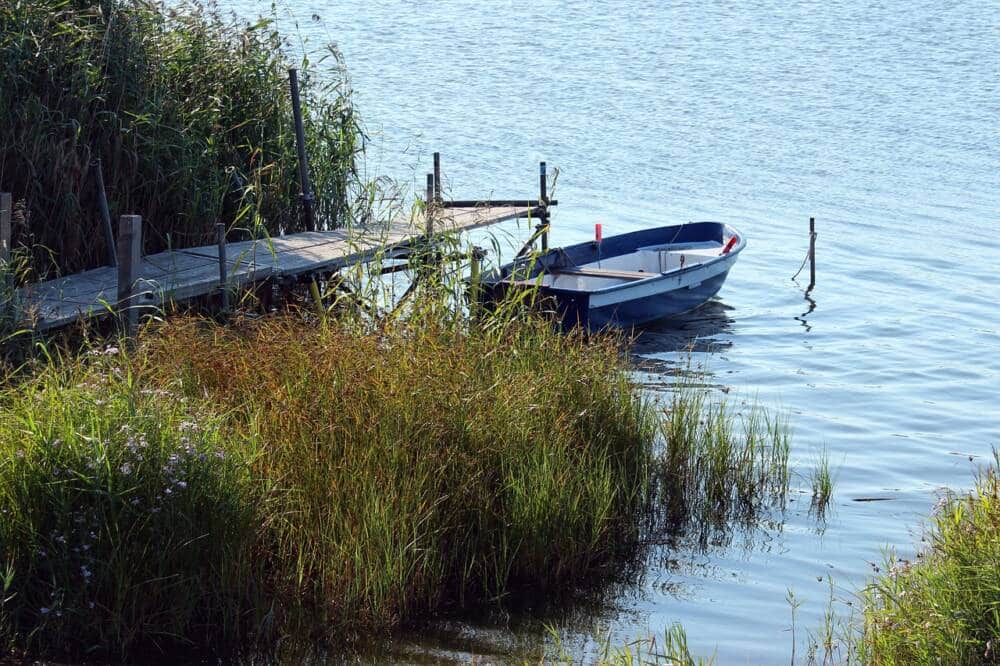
point(5, 233)
point(220, 239)
point(475, 279)
point(437, 178)
point(300, 142)
point(543, 198)
point(102, 203)
point(429, 209)
point(812, 252)
point(129, 261)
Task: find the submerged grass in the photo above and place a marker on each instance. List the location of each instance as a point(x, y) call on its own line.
point(822, 481)
point(670, 649)
point(718, 468)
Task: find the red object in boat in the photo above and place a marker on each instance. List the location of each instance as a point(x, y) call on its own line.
point(729, 245)
point(598, 233)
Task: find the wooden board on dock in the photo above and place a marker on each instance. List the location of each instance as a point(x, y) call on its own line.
point(177, 275)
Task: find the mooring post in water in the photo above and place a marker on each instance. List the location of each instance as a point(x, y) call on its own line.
point(812, 252)
point(220, 239)
point(429, 208)
point(5, 234)
point(102, 204)
point(300, 142)
point(129, 261)
point(543, 198)
point(437, 177)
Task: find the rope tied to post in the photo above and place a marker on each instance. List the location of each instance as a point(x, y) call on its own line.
point(812, 239)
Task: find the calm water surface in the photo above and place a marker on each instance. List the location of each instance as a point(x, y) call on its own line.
point(879, 119)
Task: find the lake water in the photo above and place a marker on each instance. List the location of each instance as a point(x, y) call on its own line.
point(879, 119)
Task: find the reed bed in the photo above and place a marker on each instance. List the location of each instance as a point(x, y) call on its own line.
point(718, 468)
point(126, 516)
point(224, 487)
point(944, 608)
point(189, 112)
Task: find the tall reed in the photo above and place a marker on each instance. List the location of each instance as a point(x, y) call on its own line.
point(188, 111)
point(944, 607)
point(718, 469)
point(426, 466)
point(223, 487)
point(127, 520)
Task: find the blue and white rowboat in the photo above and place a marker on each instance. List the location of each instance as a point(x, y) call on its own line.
point(630, 279)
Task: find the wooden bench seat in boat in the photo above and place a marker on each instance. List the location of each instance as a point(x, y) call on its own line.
point(603, 273)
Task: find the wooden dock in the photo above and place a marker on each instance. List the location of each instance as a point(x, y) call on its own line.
point(178, 275)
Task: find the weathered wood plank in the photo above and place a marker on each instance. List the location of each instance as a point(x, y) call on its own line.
point(178, 275)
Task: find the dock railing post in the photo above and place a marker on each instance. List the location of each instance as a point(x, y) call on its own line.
point(543, 198)
point(429, 208)
point(129, 262)
point(220, 239)
point(102, 202)
point(475, 281)
point(5, 233)
point(300, 143)
point(437, 177)
point(812, 252)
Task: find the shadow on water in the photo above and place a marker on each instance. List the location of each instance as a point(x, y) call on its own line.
point(705, 330)
point(804, 317)
point(696, 331)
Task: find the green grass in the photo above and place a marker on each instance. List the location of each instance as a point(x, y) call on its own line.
point(822, 481)
point(718, 468)
point(670, 649)
point(943, 608)
point(221, 487)
point(127, 516)
point(188, 111)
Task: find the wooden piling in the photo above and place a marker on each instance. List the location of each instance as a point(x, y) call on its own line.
point(543, 197)
point(129, 262)
point(220, 239)
point(102, 203)
point(437, 177)
point(812, 252)
point(5, 232)
point(300, 142)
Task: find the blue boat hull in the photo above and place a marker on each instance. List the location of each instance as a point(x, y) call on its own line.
point(630, 298)
point(651, 308)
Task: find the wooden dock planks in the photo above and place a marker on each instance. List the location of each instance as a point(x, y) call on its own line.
point(178, 275)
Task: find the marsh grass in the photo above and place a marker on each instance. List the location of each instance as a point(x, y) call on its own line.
point(945, 606)
point(670, 649)
point(189, 112)
point(719, 469)
point(823, 478)
point(220, 487)
point(426, 466)
point(14, 272)
point(126, 518)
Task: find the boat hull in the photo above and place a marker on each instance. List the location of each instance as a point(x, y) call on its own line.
point(627, 303)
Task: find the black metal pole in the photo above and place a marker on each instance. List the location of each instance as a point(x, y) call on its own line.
point(812, 252)
point(300, 141)
point(102, 202)
point(429, 208)
point(220, 239)
point(437, 177)
point(544, 198)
